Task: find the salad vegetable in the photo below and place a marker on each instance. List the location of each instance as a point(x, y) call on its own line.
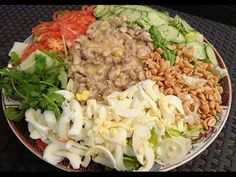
point(35, 86)
point(50, 35)
point(160, 42)
point(152, 117)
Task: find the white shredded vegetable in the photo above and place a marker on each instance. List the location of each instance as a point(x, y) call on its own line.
point(108, 132)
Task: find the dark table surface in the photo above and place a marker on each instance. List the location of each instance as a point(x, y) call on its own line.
point(16, 23)
point(225, 14)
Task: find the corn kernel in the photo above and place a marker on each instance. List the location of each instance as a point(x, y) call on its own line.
point(83, 96)
point(117, 53)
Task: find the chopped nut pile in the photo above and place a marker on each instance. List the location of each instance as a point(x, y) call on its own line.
point(171, 81)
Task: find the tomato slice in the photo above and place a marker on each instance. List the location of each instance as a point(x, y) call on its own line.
point(41, 28)
point(49, 34)
point(68, 35)
point(69, 25)
point(31, 48)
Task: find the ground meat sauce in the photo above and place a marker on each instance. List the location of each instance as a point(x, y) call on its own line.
point(108, 57)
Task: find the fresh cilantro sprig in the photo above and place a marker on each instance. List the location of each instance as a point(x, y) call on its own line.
point(14, 58)
point(34, 90)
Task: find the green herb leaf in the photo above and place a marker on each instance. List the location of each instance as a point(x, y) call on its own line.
point(207, 60)
point(14, 114)
point(14, 58)
point(169, 55)
point(37, 89)
point(130, 162)
point(139, 23)
point(53, 55)
point(40, 63)
point(63, 78)
point(166, 13)
point(160, 42)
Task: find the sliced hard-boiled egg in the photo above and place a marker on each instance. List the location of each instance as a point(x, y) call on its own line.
point(147, 85)
point(31, 117)
point(64, 122)
point(175, 101)
point(118, 155)
point(100, 116)
point(149, 159)
point(140, 142)
point(115, 135)
point(66, 94)
point(77, 117)
point(74, 158)
point(123, 111)
point(50, 119)
point(91, 107)
point(104, 156)
point(126, 102)
point(49, 153)
point(128, 93)
point(143, 94)
point(86, 161)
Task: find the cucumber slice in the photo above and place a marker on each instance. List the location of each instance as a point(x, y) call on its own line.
point(199, 49)
point(145, 15)
point(194, 36)
point(211, 55)
point(100, 10)
point(185, 24)
point(28, 64)
point(131, 14)
point(138, 7)
point(117, 10)
point(143, 23)
point(179, 39)
point(168, 32)
point(155, 19)
point(107, 15)
point(111, 7)
point(163, 16)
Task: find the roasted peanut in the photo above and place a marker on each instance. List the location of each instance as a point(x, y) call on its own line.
point(169, 78)
point(220, 89)
point(204, 124)
point(153, 71)
point(205, 108)
point(171, 47)
point(212, 104)
point(148, 74)
point(179, 52)
point(169, 91)
point(157, 78)
point(160, 84)
point(180, 46)
point(211, 121)
point(177, 59)
point(176, 90)
point(213, 112)
point(160, 51)
point(218, 108)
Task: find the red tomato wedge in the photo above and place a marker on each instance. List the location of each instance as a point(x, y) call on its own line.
point(31, 48)
point(68, 35)
point(68, 24)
